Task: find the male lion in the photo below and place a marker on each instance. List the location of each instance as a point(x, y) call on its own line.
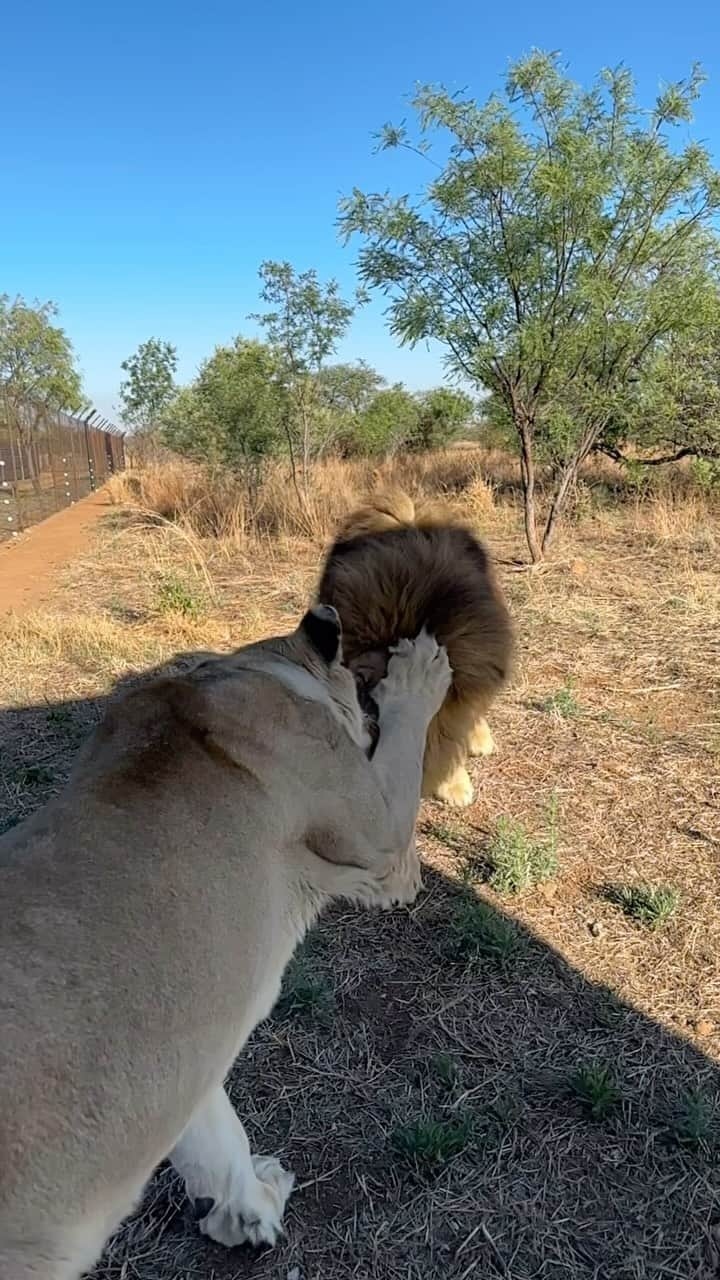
point(395, 568)
point(149, 912)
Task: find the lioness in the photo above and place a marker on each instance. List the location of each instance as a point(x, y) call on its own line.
point(148, 913)
point(395, 567)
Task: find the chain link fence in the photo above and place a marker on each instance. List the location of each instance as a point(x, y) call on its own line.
point(49, 460)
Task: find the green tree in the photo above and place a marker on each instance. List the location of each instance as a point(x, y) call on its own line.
point(676, 413)
point(442, 414)
point(234, 411)
point(562, 237)
point(37, 372)
point(389, 422)
point(345, 392)
point(149, 386)
point(349, 388)
point(306, 321)
point(187, 427)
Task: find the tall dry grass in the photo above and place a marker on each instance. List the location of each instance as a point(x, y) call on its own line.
point(215, 503)
point(482, 485)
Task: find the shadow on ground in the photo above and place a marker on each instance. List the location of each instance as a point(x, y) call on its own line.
point(455, 1100)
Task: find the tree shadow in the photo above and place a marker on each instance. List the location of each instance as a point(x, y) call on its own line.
point(455, 1098)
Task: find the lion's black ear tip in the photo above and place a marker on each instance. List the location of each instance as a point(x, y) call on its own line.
point(326, 613)
point(321, 625)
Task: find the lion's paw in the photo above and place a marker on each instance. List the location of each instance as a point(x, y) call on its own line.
point(404, 882)
point(480, 740)
point(457, 790)
point(255, 1217)
point(417, 668)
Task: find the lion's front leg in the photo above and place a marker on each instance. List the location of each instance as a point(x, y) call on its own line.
point(367, 848)
point(238, 1198)
point(404, 879)
point(414, 689)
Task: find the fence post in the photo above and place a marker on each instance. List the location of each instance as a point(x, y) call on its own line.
point(66, 465)
point(91, 467)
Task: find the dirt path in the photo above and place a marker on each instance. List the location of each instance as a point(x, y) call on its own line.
point(28, 566)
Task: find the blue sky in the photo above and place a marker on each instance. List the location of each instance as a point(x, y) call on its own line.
point(153, 154)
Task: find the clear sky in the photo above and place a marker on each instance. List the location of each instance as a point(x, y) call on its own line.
point(154, 153)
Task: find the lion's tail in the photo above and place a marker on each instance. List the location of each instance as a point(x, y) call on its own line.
point(393, 509)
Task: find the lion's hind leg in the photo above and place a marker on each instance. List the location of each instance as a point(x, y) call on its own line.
point(480, 740)
point(445, 776)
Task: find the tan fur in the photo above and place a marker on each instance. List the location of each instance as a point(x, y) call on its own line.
point(395, 567)
point(148, 913)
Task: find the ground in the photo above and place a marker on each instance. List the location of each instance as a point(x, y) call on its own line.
point(524, 1088)
point(28, 565)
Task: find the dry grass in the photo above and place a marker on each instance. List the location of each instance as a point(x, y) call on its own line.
point(481, 1086)
point(216, 504)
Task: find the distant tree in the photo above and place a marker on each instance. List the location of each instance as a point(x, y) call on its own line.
point(234, 411)
point(389, 422)
point(442, 414)
point(37, 372)
point(562, 238)
point(348, 388)
point(345, 391)
point(187, 427)
point(149, 386)
point(306, 321)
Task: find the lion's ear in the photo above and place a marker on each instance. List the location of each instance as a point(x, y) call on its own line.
point(322, 628)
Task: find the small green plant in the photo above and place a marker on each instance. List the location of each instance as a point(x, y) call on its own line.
point(444, 1070)
point(595, 1089)
point(33, 775)
point(518, 860)
point(305, 994)
point(637, 476)
point(60, 717)
point(429, 1142)
point(478, 930)
point(649, 905)
point(562, 703)
point(695, 1123)
point(175, 596)
point(62, 722)
point(706, 473)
